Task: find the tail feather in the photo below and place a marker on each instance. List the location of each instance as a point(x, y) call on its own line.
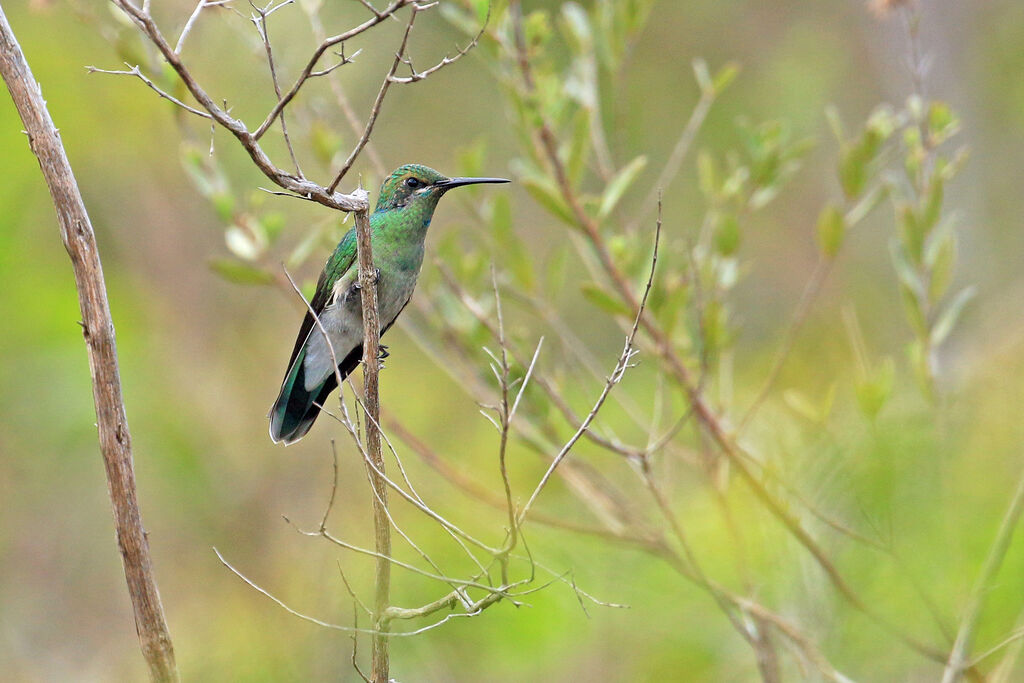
point(296, 408)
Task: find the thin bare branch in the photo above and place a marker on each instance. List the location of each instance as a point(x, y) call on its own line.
point(324, 46)
point(377, 103)
point(448, 59)
point(676, 158)
point(349, 629)
point(260, 22)
point(187, 28)
point(355, 201)
point(334, 487)
point(135, 71)
point(614, 378)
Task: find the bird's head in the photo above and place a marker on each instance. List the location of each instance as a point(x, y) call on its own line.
point(413, 184)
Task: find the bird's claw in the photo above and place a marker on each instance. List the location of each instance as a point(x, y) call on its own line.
point(376, 278)
point(382, 352)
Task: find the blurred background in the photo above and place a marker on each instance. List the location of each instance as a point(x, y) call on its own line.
point(202, 358)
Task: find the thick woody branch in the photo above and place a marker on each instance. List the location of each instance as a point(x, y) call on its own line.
point(98, 327)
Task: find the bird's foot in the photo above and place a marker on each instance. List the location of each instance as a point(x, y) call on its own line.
point(376, 278)
point(383, 352)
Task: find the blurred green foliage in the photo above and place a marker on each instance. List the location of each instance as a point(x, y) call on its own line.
point(900, 424)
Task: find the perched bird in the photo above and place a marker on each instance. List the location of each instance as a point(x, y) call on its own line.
point(398, 227)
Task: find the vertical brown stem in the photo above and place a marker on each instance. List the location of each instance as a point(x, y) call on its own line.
point(371, 403)
point(98, 328)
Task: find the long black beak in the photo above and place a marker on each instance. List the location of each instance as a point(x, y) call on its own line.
point(449, 183)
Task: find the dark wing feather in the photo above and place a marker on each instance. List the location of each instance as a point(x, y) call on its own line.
point(338, 264)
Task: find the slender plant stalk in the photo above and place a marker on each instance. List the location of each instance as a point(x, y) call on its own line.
point(958, 656)
point(371, 404)
point(98, 329)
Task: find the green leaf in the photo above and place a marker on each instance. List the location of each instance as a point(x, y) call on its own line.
point(224, 205)
point(603, 300)
point(904, 271)
point(192, 162)
point(547, 195)
point(763, 196)
point(483, 8)
point(919, 357)
point(914, 152)
point(715, 325)
point(129, 46)
point(324, 140)
point(579, 147)
point(912, 230)
point(273, 225)
point(725, 76)
point(241, 273)
point(577, 25)
point(874, 390)
point(852, 169)
point(672, 306)
point(882, 122)
point(703, 76)
point(932, 208)
point(459, 18)
point(940, 257)
point(707, 174)
point(537, 28)
point(555, 271)
point(915, 314)
point(947, 168)
point(733, 186)
point(947, 319)
point(835, 123)
point(727, 234)
point(618, 185)
point(801, 405)
point(831, 230)
point(943, 123)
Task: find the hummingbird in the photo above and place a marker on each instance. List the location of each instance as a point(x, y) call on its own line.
point(398, 229)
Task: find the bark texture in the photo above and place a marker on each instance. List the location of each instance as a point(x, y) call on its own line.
point(98, 329)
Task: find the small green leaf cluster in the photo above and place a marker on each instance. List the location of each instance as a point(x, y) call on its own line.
point(924, 248)
point(251, 230)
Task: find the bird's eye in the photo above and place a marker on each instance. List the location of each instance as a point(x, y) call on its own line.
point(412, 183)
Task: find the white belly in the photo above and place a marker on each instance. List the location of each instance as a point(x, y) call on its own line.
point(343, 320)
